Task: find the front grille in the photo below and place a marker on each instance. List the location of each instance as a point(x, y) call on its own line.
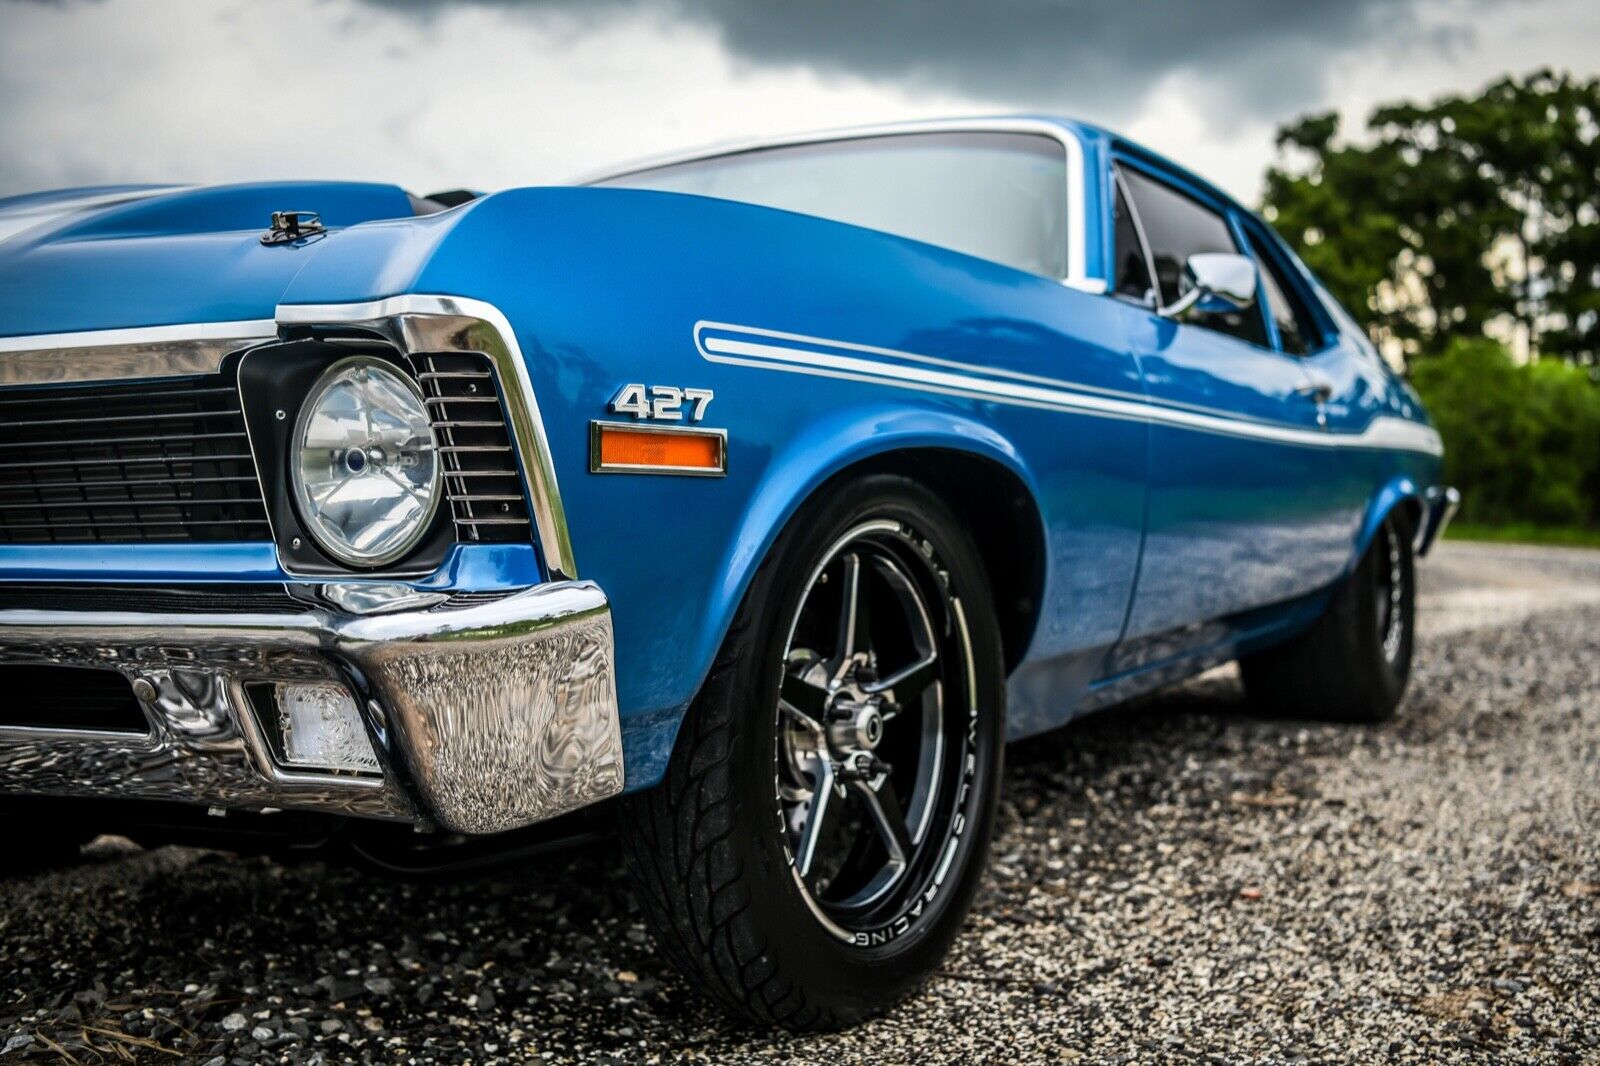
point(127, 462)
point(482, 476)
point(68, 697)
point(209, 598)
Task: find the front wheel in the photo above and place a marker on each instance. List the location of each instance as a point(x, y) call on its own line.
point(1353, 663)
point(823, 823)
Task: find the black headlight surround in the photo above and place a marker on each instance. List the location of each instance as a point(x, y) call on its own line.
point(274, 381)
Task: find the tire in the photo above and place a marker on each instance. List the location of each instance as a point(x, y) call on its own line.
point(1353, 663)
point(813, 929)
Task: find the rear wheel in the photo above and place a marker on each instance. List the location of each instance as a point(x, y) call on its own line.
point(1353, 663)
point(823, 823)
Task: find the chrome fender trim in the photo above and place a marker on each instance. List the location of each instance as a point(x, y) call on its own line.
point(121, 354)
point(418, 324)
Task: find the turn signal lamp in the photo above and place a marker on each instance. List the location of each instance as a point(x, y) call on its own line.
point(619, 448)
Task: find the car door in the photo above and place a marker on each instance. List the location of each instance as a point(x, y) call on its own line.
point(1346, 381)
point(1236, 451)
point(1352, 385)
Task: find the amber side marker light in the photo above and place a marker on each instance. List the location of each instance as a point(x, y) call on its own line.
point(624, 448)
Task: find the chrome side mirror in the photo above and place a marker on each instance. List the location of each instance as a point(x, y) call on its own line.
point(1218, 282)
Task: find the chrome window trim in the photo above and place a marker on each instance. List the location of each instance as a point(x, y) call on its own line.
point(427, 323)
point(1120, 188)
point(127, 354)
point(1077, 276)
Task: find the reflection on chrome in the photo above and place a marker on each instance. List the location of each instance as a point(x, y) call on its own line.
point(492, 716)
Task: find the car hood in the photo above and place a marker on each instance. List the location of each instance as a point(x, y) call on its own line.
point(128, 256)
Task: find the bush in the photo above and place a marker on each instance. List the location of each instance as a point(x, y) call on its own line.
point(1521, 442)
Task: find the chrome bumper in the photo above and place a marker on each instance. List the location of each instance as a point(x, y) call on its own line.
point(483, 719)
point(1440, 505)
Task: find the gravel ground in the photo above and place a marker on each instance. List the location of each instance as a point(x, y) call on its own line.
point(1174, 881)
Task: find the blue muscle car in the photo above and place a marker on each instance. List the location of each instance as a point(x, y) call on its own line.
point(771, 489)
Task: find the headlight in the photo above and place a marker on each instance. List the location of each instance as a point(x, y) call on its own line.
point(365, 466)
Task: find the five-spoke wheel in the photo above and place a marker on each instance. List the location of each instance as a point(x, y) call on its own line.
point(823, 823)
point(871, 724)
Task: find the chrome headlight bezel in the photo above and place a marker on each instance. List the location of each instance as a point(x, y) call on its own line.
point(316, 526)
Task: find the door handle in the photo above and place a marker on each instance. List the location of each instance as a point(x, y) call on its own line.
point(1319, 391)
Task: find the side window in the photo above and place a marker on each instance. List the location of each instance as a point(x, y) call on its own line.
point(1133, 270)
point(1177, 227)
point(1297, 329)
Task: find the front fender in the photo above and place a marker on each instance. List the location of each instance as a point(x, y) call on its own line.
point(1400, 490)
point(825, 449)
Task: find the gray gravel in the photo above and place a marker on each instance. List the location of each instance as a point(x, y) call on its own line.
point(1173, 881)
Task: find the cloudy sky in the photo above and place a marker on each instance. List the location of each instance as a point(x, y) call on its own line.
point(496, 93)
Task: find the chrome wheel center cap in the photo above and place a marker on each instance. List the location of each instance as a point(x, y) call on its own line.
point(857, 727)
point(869, 728)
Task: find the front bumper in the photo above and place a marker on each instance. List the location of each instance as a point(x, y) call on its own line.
point(483, 718)
point(1439, 507)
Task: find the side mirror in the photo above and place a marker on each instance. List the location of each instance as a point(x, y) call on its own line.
point(1218, 282)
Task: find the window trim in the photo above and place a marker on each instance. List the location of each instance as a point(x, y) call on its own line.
point(1263, 245)
point(1120, 190)
point(1076, 175)
point(1231, 215)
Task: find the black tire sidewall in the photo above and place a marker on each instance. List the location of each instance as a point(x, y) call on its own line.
point(873, 975)
point(1388, 678)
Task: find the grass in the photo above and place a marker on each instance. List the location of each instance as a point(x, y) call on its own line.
point(1524, 533)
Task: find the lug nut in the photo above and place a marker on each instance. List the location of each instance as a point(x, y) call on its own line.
point(864, 765)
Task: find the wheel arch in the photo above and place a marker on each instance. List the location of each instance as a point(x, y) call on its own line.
point(1399, 493)
point(1010, 540)
point(968, 466)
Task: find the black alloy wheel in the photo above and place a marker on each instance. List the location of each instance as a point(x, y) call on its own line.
point(816, 841)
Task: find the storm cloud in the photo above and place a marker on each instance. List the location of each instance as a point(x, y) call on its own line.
point(1255, 56)
point(496, 93)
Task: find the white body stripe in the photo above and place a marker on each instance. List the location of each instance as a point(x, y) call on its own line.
point(799, 354)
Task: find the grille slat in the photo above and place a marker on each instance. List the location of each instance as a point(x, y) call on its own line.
point(169, 460)
point(72, 469)
point(487, 499)
point(152, 502)
point(125, 392)
point(101, 442)
point(132, 482)
point(32, 423)
point(149, 523)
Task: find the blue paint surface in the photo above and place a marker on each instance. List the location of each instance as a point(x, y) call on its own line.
point(1167, 546)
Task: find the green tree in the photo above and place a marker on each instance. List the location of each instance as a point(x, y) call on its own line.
point(1522, 442)
point(1446, 217)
